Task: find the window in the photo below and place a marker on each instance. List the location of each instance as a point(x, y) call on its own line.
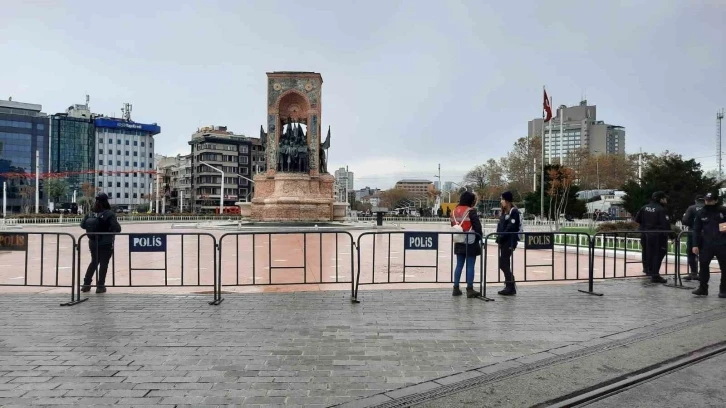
point(135, 195)
point(243, 149)
point(100, 151)
point(136, 153)
point(127, 163)
point(142, 164)
point(109, 184)
point(126, 195)
point(151, 166)
point(126, 175)
point(100, 162)
point(151, 156)
point(136, 185)
point(136, 164)
point(142, 185)
point(100, 183)
point(127, 153)
point(100, 140)
point(136, 143)
point(118, 141)
point(243, 159)
point(118, 195)
point(142, 144)
point(151, 144)
point(135, 174)
point(127, 143)
point(126, 184)
point(110, 141)
point(118, 162)
point(118, 184)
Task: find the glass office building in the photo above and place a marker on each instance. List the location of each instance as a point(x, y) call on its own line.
point(23, 130)
point(72, 148)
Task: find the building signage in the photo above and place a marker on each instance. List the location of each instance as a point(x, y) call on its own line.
point(120, 124)
point(421, 240)
point(13, 242)
point(147, 243)
point(539, 241)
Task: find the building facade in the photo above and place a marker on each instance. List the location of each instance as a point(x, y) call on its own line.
point(223, 150)
point(344, 184)
point(580, 130)
point(416, 188)
point(23, 132)
point(73, 149)
point(125, 161)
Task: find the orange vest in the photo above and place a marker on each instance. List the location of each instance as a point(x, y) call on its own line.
point(460, 214)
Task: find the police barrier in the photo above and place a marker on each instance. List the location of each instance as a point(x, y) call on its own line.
point(537, 250)
point(623, 254)
point(685, 257)
point(324, 257)
point(142, 260)
point(422, 255)
point(48, 260)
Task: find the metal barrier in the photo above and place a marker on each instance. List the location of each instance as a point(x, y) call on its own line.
point(42, 269)
point(424, 247)
point(682, 247)
point(607, 245)
point(542, 246)
point(148, 247)
point(315, 267)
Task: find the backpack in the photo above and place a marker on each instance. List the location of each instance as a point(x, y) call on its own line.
point(96, 223)
point(459, 237)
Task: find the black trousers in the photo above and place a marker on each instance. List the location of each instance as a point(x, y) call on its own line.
point(100, 256)
point(655, 250)
point(692, 258)
point(505, 264)
point(644, 253)
point(706, 255)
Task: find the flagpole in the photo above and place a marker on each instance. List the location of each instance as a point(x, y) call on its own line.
point(542, 164)
point(562, 131)
point(550, 136)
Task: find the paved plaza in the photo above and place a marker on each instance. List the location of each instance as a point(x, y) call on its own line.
point(312, 349)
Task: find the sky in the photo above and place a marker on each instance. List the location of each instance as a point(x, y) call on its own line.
point(408, 85)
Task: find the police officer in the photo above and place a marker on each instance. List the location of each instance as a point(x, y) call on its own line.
point(652, 217)
point(688, 219)
point(709, 233)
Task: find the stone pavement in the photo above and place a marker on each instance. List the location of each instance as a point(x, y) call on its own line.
point(301, 349)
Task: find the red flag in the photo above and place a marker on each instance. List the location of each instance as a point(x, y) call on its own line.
point(547, 108)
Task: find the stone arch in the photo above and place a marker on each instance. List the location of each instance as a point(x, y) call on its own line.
point(294, 104)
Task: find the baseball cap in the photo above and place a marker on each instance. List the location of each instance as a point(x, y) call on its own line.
point(711, 196)
point(659, 195)
point(102, 197)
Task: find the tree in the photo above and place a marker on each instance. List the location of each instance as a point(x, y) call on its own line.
point(391, 198)
point(27, 197)
point(488, 179)
point(564, 194)
point(57, 188)
point(518, 165)
point(681, 180)
point(88, 195)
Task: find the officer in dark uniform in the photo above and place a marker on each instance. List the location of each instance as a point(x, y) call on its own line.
point(688, 219)
point(652, 217)
point(709, 233)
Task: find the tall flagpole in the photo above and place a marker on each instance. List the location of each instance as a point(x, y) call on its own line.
point(542, 165)
point(550, 137)
point(562, 131)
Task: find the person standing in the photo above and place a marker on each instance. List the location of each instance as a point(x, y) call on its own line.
point(655, 225)
point(709, 233)
point(100, 220)
point(688, 220)
point(508, 230)
point(466, 252)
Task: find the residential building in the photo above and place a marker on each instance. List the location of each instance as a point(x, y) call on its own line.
point(125, 160)
point(73, 148)
point(436, 185)
point(23, 132)
point(223, 150)
point(449, 186)
point(364, 192)
point(580, 130)
point(417, 188)
point(259, 158)
point(373, 199)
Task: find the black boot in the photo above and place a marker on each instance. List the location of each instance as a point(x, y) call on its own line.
point(457, 291)
point(509, 290)
point(702, 290)
point(101, 289)
point(658, 279)
point(471, 293)
point(722, 292)
point(86, 286)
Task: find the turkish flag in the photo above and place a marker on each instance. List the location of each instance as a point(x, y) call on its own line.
point(547, 108)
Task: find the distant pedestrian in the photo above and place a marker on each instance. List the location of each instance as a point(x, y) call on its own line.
point(101, 220)
point(689, 218)
point(654, 224)
point(508, 229)
point(467, 251)
point(709, 233)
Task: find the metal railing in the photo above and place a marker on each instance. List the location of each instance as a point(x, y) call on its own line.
point(76, 219)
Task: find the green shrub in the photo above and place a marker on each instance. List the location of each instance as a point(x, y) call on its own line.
point(617, 226)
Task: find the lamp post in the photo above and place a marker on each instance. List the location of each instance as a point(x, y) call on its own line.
point(221, 192)
point(248, 179)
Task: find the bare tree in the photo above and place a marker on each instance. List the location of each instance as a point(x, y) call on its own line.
point(27, 197)
point(561, 181)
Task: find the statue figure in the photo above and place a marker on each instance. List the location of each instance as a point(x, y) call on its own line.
point(324, 152)
point(263, 138)
point(302, 151)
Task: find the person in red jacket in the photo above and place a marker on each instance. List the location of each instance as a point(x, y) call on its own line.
point(466, 252)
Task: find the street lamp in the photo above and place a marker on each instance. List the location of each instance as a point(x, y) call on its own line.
point(248, 179)
point(221, 192)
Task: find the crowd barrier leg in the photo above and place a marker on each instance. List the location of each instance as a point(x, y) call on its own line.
point(482, 272)
point(217, 275)
point(591, 271)
point(677, 280)
point(75, 290)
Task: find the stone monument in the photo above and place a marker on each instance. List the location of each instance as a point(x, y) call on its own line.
point(296, 185)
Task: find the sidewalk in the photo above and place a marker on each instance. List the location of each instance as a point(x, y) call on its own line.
point(306, 348)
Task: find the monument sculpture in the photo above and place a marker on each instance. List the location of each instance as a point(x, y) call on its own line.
point(296, 185)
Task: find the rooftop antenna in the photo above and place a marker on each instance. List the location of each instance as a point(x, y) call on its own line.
point(126, 111)
point(719, 119)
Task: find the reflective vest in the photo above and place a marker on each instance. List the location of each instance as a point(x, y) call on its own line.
point(461, 213)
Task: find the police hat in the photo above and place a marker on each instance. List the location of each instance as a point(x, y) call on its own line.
point(659, 195)
point(711, 196)
point(102, 197)
point(699, 197)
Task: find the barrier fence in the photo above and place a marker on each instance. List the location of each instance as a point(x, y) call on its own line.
point(326, 257)
point(195, 266)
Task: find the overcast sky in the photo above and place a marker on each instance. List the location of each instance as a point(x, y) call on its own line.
point(407, 84)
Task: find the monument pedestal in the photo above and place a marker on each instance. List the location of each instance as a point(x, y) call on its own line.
point(293, 197)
